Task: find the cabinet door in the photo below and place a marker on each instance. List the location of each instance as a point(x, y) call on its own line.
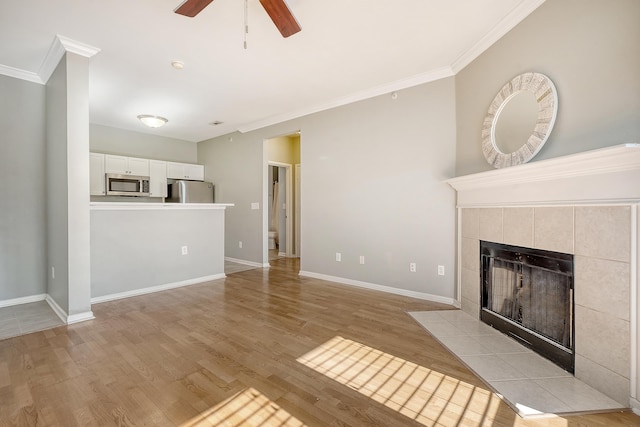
point(126, 165)
point(194, 172)
point(157, 178)
point(115, 164)
point(175, 170)
point(138, 166)
point(96, 174)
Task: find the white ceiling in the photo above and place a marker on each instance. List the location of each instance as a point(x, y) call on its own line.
point(347, 50)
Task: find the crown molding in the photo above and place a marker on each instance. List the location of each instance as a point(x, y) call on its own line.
point(512, 19)
point(77, 47)
point(415, 80)
point(51, 61)
point(59, 47)
point(17, 73)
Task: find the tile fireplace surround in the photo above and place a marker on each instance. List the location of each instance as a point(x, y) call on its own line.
point(584, 204)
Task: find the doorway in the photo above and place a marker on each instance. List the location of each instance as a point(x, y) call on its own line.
point(281, 216)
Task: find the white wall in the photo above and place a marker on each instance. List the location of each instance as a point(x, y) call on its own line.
point(79, 241)
point(372, 185)
point(22, 185)
point(589, 49)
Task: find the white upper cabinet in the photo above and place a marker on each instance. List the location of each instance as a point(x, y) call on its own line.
point(157, 178)
point(126, 165)
point(158, 172)
point(96, 174)
point(185, 171)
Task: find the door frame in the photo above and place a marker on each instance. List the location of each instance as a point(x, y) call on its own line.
point(288, 209)
point(297, 207)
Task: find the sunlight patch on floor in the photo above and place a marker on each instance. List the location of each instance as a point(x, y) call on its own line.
point(247, 408)
point(419, 393)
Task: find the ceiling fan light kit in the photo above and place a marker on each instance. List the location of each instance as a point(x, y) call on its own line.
point(277, 10)
point(152, 121)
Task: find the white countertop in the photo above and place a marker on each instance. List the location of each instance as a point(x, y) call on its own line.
point(157, 206)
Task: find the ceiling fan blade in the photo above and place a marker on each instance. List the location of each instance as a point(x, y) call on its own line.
point(281, 16)
point(191, 8)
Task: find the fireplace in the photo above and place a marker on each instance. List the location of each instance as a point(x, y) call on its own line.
point(587, 205)
point(528, 294)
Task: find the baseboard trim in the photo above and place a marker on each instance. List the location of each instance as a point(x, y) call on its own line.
point(375, 287)
point(66, 318)
point(80, 317)
point(635, 405)
point(245, 262)
point(22, 300)
point(159, 288)
point(56, 308)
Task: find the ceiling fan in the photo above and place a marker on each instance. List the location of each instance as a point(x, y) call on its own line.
point(276, 9)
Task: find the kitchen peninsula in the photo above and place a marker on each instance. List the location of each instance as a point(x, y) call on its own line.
point(138, 248)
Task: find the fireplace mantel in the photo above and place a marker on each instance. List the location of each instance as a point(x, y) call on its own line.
point(605, 176)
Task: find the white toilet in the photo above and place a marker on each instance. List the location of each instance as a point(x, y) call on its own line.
point(272, 239)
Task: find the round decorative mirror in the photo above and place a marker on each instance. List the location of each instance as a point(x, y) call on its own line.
point(519, 120)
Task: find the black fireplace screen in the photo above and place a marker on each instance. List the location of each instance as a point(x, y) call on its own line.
point(528, 294)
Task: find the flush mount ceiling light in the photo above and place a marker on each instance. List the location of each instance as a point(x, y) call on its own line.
point(152, 121)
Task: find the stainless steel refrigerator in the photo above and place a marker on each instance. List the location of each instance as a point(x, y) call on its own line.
point(190, 192)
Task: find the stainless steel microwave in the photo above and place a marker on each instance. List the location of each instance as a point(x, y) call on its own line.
point(126, 185)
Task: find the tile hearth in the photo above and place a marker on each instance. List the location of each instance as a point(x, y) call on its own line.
point(529, 383)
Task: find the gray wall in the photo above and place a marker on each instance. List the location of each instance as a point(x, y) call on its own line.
point(109, 140)
point(589, 49)
point(67, 165)
point(22, 185)
point(372, 185)
point(119, 264)
point(57, 192)
point(234, 163)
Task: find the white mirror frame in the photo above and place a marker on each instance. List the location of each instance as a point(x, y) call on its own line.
point(547, 98)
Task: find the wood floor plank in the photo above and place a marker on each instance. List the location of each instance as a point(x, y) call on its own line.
point(263, 347)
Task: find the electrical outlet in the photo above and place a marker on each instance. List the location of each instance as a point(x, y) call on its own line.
point(361, 259)
point(412, 267)
point(240, 244)
point(441, 270)
point(255, 206)
point(338, 256)
point(185, 250)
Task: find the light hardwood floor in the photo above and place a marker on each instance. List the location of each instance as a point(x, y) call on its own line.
point(262, 347)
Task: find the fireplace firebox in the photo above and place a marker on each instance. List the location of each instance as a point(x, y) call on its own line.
point(528, 294)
